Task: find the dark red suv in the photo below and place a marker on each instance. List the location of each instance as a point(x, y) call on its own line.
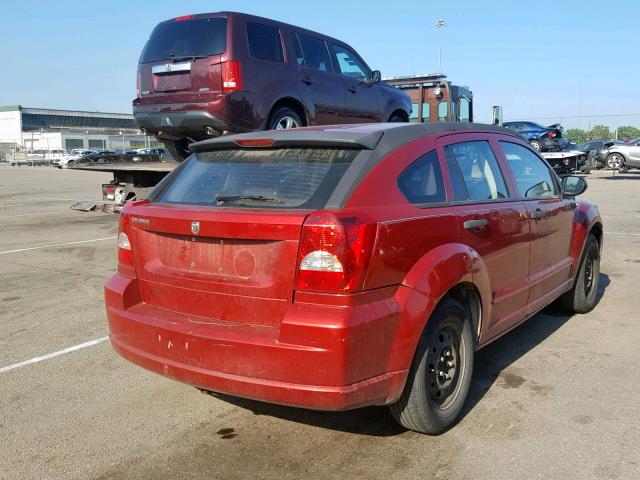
point(338, 267)
point(204, 75)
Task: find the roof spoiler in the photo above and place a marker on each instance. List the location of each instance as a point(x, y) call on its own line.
point(299, 137)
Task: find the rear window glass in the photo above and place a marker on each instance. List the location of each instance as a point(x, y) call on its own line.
point(315, 53)
point(188, 38)
point(273, 178)
point(264, 42)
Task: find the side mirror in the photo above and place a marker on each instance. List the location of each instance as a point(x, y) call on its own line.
point(376, 76)
point(573, 186)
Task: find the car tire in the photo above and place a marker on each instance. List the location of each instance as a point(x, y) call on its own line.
point(537, 146)
point(178, 149)
point(283, 119)
point(395, 118)
point(615, 161)
point(437, 387)
point(583, 295)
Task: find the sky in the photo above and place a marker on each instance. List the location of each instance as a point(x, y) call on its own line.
point(529, 57)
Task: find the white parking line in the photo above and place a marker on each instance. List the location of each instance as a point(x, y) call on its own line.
point(623, 233)
point(54, 354)
point(56, 245)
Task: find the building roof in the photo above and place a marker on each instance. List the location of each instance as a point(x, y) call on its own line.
point(47, 118)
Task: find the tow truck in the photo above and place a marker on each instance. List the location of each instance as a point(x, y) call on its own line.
point(434, 99)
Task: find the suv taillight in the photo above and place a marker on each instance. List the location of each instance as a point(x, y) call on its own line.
point(334, 252)
point(231, 76)
point(138, 77)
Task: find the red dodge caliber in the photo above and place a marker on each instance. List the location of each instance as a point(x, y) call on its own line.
point(332, 268)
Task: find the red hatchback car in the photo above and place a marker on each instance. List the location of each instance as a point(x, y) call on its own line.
point(337, 267)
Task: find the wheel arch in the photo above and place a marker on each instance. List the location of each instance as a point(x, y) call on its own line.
point(292, 103)
point(400, 112)
point(449, 271)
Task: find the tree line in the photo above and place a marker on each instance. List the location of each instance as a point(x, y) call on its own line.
point(578, 135)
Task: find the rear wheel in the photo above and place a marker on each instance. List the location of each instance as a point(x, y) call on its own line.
point(178, 149)
point(537, 146)
point(440, 374)
point(582, 297)
point(283, 119)
point(396, 118)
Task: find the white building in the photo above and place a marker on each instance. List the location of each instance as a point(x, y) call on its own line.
point(30, 129)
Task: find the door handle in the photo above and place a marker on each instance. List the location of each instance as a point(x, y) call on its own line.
point(537, 214)
point(306, 80)
point(475, 223)
point(353, 89)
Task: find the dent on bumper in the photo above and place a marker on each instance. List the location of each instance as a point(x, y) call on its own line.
point(319, 358)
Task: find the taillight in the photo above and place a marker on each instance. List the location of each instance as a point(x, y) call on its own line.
point(334, 252)
point(551, 134)
point(125, 255)
point(138, 84)
point(231, 76)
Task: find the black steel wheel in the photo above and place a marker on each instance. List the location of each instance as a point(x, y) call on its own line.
point(440, 374)
point(583, 295)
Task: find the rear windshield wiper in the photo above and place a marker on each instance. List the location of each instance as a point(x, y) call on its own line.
point(186, 57)
point(222, 198)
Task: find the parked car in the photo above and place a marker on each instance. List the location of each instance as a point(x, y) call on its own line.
point(593, 147)
point(203, 75)
point(73, 157)
point(541, 138)
point(333, 268)
point(621, 156)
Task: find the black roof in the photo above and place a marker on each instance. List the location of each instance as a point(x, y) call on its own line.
point(370, 136)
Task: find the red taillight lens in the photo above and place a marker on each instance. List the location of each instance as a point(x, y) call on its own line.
point(551, 134)
point(231, 76)
point(138, 84)
point(125, 255)
point(334, 252)
point(183, 18)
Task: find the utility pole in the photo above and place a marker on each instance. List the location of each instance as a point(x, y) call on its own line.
point(440, 24)
point(579, 103)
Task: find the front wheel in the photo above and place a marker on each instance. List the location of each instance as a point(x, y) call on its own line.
point(440, 375)
point(582, 297)
point(615, 161)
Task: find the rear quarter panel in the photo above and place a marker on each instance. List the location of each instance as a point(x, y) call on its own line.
point(585, 217)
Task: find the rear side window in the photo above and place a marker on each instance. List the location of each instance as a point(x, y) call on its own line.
point(315, 53)
point(532, 175)
point(479, 168)
point(273, 178)
point(422, 182)
point(188, 38)
point(264, 42)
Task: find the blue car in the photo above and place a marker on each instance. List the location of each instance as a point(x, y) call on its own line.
point(541, 138)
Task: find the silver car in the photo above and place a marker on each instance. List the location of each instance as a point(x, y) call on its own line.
point(622, 156)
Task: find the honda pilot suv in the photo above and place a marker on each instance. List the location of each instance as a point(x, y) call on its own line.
point(204, 75)
point(337, 267)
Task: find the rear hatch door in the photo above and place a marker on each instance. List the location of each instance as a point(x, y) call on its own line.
point(183, 55)
point(220, 240)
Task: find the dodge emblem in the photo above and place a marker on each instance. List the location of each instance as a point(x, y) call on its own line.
point(195, 227)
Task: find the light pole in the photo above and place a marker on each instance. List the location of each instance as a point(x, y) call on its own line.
point(122, 135)
point(440, 24)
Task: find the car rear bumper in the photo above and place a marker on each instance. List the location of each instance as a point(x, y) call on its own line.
point(321, 357)
point(227, 112)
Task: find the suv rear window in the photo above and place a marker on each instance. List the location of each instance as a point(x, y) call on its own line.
point(264, 42)
point(188, 38)
point(274, 178)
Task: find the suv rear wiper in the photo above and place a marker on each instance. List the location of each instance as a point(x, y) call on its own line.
point(222, 198)
point(186, 57)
